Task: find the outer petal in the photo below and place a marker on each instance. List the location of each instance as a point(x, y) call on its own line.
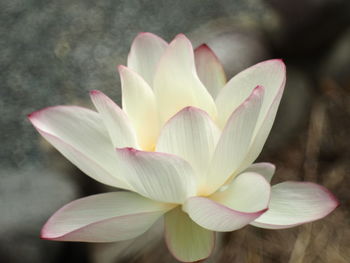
point(140, 105)
point(80, 135)
point(234, 141)
point(245, 199)
point(296, 203)
point(176, 83)
point(159, 176)
point(192, 135)
point(144, 55)
point(103, 218)
point(270, 74)
point(209, 69)
point(186, 240)
point(117, 123)
point(265, 169)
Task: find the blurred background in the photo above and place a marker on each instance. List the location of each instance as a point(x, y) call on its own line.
point(55, 52)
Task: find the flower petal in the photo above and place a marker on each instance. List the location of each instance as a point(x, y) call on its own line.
point(140, 105)
point(144, 55)
point(80, 135)
point(265, 169)
point(209, 69)
point(234, 141)
point(117, 123)
point(270, 74)
point(192, 135)
point(104, 217)
point(296, 203)
point(159, 176)
point(261, 132)
point(187, 241)
point(245, 199)
point(176, 84)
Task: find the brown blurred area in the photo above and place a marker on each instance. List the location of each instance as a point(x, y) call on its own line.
point(54, 52)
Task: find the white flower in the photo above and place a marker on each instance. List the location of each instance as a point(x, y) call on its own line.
point(183, 147)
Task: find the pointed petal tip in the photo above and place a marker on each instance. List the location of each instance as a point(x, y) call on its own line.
point(257, 92)
point(31, 115)
point(191, 109)
point(35, 114)
point(130, 150)
point(45, 233)
point(148, 34)
point(332, 197)
point(258, 89)
point(203, 46)
point(181, 37)
point(121, 68)
point(278, 61)
point(95, 92)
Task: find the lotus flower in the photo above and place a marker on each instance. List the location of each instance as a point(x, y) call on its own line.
point(182, 147)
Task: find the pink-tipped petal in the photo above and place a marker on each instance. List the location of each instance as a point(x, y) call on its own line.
point(270, 74)
point(117, 123)
point(192, 135)
point(80, 135)
point(262, 131)
point(187, 241)
point(105, 217)
point(265, 169)
point(140, 105)
point(296, 203)
point(159, 176)
point(144, 55)
point(234, 141)
point(176, 84)
point(209, 69)
point(244, 200)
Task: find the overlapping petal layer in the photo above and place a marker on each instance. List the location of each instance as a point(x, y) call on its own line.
point(270, 74)
point(184, 155)
point(209, 69)
point(140, 105)
point(145, 52)
point(192, 135)
point(80, 135)
point(176, 84)
point(244, 200)
point(116, 122)
point(159, 176)
point(265, 169)
point(295, 203)
point(105, 217)
point(186, 240)
point(234, 141)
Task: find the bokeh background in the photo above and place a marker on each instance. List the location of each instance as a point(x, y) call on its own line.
point(55, 52)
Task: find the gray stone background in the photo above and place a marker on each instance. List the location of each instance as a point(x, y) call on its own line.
point(55, 52)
